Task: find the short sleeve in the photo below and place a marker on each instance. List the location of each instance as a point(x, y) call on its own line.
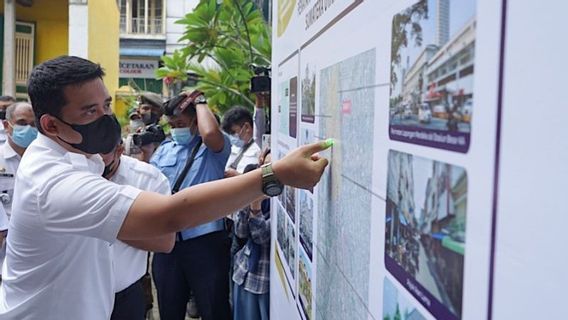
point(85, 204)
point(3, 219)
point(223, 155)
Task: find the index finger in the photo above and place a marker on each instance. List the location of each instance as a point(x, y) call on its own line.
point(318, 146)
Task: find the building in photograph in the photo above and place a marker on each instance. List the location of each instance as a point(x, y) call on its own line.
point(443, 228)
point(414, 81)
point(400, 202)
point(36, 31)
point(450, 71)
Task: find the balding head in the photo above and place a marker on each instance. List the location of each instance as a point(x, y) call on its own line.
point(16, 109)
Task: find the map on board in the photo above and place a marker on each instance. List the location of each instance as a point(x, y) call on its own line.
point(346, 100)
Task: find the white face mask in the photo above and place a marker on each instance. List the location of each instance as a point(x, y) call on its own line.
point(135, 125)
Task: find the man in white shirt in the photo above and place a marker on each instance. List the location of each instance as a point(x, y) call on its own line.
point(21, 131)
point(58, 260)
point(130, 263)
point(5, 102)
point(237, 123)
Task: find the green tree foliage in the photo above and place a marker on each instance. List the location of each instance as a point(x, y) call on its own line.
point(402, 24)
point(232, 34)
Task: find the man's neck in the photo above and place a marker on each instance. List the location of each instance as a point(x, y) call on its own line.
point(19, 150)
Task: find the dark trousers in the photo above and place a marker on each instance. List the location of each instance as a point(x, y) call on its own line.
point(201, 264)
point(130, 303)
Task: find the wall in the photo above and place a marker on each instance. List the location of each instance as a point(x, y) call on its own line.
point(50, 18)
point(104, 40)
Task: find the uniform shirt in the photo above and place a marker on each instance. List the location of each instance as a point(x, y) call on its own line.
point(2, 133)
point(9, 162)
point(171, 158)
point(66, 215)
point(250, 156)
point(129, 263)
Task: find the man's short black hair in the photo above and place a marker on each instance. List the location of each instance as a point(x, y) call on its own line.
point(172, 105)
point(236, 115)
point(48, 80)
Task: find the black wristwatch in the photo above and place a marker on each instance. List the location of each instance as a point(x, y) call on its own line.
point(270, 185)
point(200, 100)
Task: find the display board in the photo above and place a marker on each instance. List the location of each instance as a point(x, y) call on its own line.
point(404, 222)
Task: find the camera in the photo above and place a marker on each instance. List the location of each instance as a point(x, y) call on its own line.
point(261, 80)
point(151, 134)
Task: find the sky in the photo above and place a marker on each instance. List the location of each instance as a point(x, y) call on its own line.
point(460, 12)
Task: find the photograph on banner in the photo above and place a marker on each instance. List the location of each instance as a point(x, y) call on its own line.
point(306, 222)
point(309, 94)
point(425, 230)
point(305, 286)
point(307, 136)
point(286, 237)
point(346, 110)
point(290, 202)
point(396, 306)
point(288, 107)
point(432, 74)
point(285, 244)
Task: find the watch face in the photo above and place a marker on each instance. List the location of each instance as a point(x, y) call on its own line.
point(272, 190)
point(200, 99)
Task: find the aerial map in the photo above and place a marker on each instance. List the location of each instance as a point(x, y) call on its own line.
point(346, 113)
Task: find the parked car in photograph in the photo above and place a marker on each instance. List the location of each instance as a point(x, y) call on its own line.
point(467, 111)
point(424, 113)
point(407, 112)
point(439, 111)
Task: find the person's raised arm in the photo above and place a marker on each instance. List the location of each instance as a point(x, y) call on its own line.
point(153, 214)
point(209, 128)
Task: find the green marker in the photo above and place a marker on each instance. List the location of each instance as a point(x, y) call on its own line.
point(329, 143)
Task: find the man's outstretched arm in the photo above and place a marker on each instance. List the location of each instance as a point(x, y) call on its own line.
point(153, 214)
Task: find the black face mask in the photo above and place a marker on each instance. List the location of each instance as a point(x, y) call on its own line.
point(2, 114)
point(150, 118)
point(110, 168)
point(99, 136)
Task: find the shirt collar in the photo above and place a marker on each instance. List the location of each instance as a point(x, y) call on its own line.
point(93, 164)
point(9, 152)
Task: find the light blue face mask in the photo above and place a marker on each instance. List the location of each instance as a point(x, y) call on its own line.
point(23, 135)
point(236, 141)
point(181, 135)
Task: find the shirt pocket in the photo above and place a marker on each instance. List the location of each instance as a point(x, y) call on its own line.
point(168, 160)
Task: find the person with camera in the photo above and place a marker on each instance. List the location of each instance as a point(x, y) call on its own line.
point(196, 154)
point(238, 123)
point(142, 143)
point(58, 260)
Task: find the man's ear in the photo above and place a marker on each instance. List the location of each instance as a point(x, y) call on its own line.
point(7, 126)
point(48, 125)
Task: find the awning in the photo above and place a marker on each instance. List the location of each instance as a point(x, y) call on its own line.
point(438, 235)
point(141, 52)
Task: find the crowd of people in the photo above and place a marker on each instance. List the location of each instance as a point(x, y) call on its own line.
point(91, 217)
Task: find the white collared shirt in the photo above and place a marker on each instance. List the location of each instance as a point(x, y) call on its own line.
point(9, 162)
point(250, 156)
point(65, 216)
point(129, 263)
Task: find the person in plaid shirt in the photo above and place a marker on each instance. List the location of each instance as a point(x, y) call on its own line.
point(251, 270)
